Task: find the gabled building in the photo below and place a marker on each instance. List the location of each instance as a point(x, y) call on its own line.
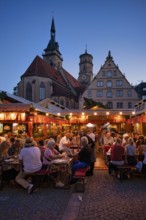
point(111, 88)
point(46, 78)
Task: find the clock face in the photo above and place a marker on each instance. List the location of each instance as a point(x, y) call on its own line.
point(83, 76)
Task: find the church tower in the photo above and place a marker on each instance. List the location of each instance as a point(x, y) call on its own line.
point(52, 54)
point(85, 69)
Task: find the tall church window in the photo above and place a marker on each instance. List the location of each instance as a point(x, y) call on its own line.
point(42, 91)
point(29, 92)
point(109, 94)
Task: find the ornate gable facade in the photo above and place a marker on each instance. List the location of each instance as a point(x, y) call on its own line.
point(111, 88)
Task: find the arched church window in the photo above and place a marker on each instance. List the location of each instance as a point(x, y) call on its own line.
point(29, 91)
point(42, 91)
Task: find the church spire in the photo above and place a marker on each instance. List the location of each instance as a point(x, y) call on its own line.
point(53, 30)
point(52, 54)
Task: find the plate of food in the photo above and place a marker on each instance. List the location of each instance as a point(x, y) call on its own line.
point(59, 161)
point(9, 160)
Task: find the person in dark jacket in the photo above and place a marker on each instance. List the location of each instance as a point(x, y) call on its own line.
point(84, 155)
point(91, 143)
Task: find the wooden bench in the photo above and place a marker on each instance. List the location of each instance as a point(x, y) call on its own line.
point(40, 176)
point(125, 170)
point(80, 175)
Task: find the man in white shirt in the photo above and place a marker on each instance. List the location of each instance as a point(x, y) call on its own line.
point(30, 157)
point(92, 135)
point(65, 143)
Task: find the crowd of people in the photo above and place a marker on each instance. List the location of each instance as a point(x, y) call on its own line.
point(129, 148)
point(37, 155)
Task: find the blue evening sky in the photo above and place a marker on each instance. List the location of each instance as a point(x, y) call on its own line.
point(102, 25)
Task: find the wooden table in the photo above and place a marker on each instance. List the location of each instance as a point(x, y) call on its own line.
point(63, 168)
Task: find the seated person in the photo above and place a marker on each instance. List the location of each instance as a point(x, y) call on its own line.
point(144, 160)
point(84, 156)
point(65, 143)
point(130, 152)
point(117, 153)
point(30, 157)
point(15, 147)
point(51, 154)
point(4, 147)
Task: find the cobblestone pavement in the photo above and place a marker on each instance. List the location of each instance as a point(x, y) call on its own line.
point(105, 198)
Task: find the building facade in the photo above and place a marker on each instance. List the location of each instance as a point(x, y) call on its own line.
point(110, 88)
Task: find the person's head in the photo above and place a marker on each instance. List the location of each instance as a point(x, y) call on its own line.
point(4, 146)
point(68, 135)
point(141, 139)
point(118, 141)
point(108, 134)
point(125, 136)
point(130, 141)
point(41, 143)
point(84, 140)
point(51, 143)
point(29, 142)
point(12, 140)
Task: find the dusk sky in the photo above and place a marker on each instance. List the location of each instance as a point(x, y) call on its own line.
point(102, 25)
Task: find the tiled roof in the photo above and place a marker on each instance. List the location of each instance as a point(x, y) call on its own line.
point(39, 67)
point(59, 90)
point(71, 79)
